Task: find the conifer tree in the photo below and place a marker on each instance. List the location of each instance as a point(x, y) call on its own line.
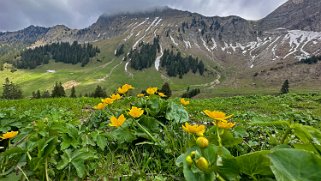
point(38, 95)
point(166, 90)
point(73, 92)
point(285, 87)
point(99, 92)
point(11, 91)
point(46, 94)
point(58, 90)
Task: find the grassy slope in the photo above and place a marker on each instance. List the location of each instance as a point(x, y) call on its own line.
point(109, 73)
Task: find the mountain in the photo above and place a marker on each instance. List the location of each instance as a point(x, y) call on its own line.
point(295, 14)
point(266, 51)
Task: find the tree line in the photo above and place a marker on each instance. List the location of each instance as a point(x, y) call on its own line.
point(311, 60)
point(175, 64)
point(144, 56)
point(61, 52)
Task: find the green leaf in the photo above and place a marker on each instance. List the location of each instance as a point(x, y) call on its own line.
point(122, 135)
point(80, 167)
point(154, 106)
point(255, 163)
point(101, 141)
point(65, 159)
point(229, 140)
point(46, 147)
point(176, 113)
point(229, 169)
point(150, 123)
point(295, 165)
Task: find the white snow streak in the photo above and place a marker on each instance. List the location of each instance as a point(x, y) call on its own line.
point(157, 61)
point(176, 44)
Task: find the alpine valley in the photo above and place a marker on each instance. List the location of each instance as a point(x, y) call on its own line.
point(238, 56)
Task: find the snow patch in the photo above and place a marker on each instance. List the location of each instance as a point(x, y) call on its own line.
point(138, 33)
point(214, 44)
point(152, 24)
point(157, 61)
point(158, 21)
point(187, 44)
point(176, 44)
point(301, 38)
point(205, 45)
point(155, 33)
point(136, 43)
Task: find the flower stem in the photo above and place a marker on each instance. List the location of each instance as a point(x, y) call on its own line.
point(219, 140)
point(46, 169)
point(147, 132)
point(24, 174)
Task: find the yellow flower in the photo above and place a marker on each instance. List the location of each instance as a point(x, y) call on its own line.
point(115, 97)
point(8, 135)
point(100, 106)
point(225, 124)
point(127, 86)
point(124, 89)
point(161, 94)
point(151, 90)
point(136, 112)
point(116, 122)
point(199, 130)
point(140, 95)
point(217, 115)
point(184, 102)
point(107, 101)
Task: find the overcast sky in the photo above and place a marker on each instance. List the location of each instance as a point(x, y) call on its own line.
point(18, 14)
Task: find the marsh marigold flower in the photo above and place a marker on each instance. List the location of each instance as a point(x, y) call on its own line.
point(124, 89)
point(217, 115)
point(117, 122)
point(115, 97)
point(140, 95)
point(151, 90)
point(199, 130)
point(161, 94)
point(225, 124)
point(128, 86)
point(107, 101)
point(184, 102)
point(136, 112)
point(8, 135)
point(100, 106)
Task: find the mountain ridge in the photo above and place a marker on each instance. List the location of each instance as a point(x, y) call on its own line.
point(262, 51)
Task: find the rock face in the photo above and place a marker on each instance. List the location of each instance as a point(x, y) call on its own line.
point(28, 35)
point(295, 14)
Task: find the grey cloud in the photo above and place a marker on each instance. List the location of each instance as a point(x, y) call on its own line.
point(18, 14)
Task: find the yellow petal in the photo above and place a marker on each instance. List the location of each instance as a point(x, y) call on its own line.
point(10, 134)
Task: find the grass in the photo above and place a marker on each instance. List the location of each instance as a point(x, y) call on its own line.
point(150, 162)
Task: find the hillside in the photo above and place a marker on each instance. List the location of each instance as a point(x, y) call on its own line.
point(237, 53)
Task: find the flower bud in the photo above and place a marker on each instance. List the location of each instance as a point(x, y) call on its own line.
point(202, 164)
point(189, 160)
point(192, 154)
point(202, 142)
